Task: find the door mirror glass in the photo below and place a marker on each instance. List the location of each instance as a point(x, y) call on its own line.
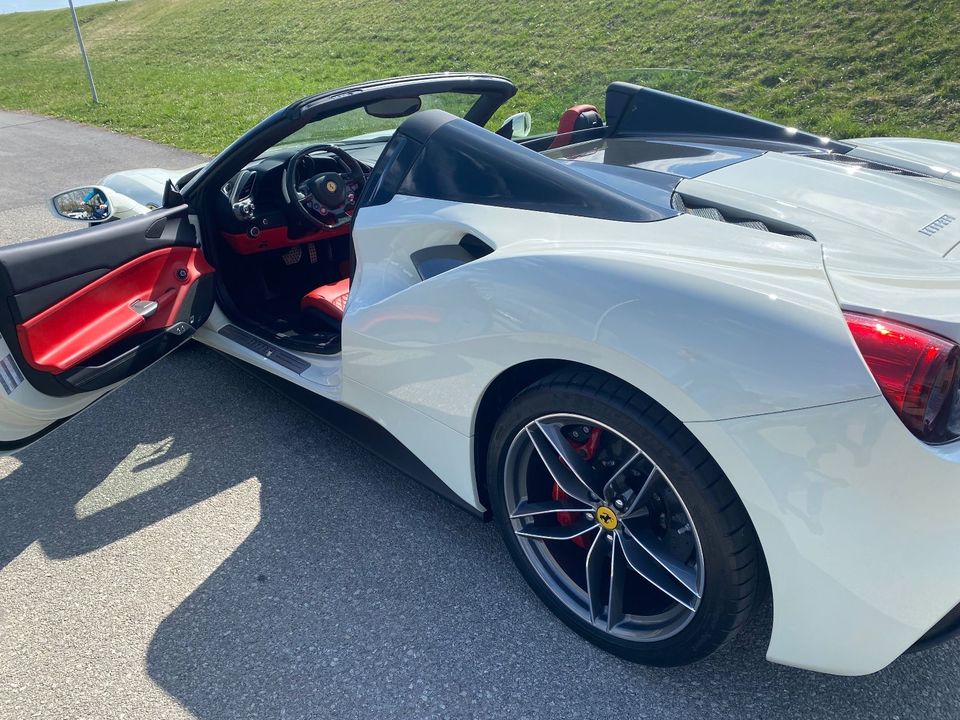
point(516, 126)
point(393, 107)
point(86, 204)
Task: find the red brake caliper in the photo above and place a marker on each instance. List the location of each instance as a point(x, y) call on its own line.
point(587, 449)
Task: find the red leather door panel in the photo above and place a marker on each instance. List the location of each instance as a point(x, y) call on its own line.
point(100, 314)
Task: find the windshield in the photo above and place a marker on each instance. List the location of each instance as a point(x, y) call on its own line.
point(358, 127)
point(365, 133)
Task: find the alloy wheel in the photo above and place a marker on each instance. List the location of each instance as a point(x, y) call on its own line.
point(604, 527)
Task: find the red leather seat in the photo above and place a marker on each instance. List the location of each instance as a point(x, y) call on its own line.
point(328, 299)
point(579, 117)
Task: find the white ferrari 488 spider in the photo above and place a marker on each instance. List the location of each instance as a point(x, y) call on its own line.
point(680, 355)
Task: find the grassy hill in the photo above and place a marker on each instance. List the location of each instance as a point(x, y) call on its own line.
point(196, 73)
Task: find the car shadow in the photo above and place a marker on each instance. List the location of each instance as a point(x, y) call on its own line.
point(42, 499)
point(359, 593)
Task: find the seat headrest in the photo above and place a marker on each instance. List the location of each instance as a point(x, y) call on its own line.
point(578, 117)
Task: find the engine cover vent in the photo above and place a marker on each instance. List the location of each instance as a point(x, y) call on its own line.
point(865, 164)
point(684, 205)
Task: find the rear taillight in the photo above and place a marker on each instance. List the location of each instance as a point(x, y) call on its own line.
point(918, 373)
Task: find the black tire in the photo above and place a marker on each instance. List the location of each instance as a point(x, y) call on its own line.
point(730, 557)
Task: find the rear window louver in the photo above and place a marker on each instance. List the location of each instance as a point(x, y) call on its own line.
point(690, 207)
point(864, 164)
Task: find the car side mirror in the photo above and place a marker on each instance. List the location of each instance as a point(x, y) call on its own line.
point(85, 204)
point(516, 126)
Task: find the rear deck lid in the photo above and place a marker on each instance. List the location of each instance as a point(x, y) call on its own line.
point(868, 210)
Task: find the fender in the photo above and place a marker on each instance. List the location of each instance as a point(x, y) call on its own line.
point(679, 308)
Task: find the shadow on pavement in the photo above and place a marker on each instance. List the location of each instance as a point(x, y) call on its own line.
point(360, 594)
point(40, 499)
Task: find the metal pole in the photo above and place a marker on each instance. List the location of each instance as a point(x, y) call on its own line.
point(83, 52)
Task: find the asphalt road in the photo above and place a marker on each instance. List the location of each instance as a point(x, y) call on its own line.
point(196, 546)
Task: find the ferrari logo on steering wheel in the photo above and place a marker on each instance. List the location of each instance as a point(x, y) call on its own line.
point(331, 186)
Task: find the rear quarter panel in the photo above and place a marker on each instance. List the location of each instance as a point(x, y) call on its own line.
point(711, 321)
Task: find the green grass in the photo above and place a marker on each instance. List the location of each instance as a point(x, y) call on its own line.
point(196, 73)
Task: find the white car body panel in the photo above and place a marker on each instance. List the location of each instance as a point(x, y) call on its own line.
point(145, 185)
point(25, 411)
point(601, 281)
point(914, 290)
point(862, 518)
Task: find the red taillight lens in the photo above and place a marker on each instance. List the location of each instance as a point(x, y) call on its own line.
point(918, 372)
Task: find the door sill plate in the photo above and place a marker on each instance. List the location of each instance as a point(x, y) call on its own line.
point(264, 349)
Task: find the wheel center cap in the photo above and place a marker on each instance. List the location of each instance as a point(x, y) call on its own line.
point(607, 518)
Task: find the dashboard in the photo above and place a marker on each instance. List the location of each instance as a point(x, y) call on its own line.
point(253, 212)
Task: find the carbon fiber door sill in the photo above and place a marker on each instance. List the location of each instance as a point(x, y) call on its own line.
point(264, 349)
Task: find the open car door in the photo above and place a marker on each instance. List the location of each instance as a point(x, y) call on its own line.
point(81, 313)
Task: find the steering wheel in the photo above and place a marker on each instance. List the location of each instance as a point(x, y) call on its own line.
point(324, 199)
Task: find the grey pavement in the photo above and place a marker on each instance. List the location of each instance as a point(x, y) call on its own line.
point(194, 545)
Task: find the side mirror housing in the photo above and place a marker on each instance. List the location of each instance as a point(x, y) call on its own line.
point(516, 126)
point(171, 195)
point(89, 204)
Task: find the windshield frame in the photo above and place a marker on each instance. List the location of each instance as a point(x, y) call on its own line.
point(492, 90)
point(377, 131)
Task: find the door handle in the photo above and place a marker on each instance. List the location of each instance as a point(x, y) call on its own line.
point(144, 308)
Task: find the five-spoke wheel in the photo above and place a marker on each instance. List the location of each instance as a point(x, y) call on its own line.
point(603, 525)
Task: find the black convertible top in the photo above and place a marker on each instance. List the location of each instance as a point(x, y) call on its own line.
point(635, 110)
